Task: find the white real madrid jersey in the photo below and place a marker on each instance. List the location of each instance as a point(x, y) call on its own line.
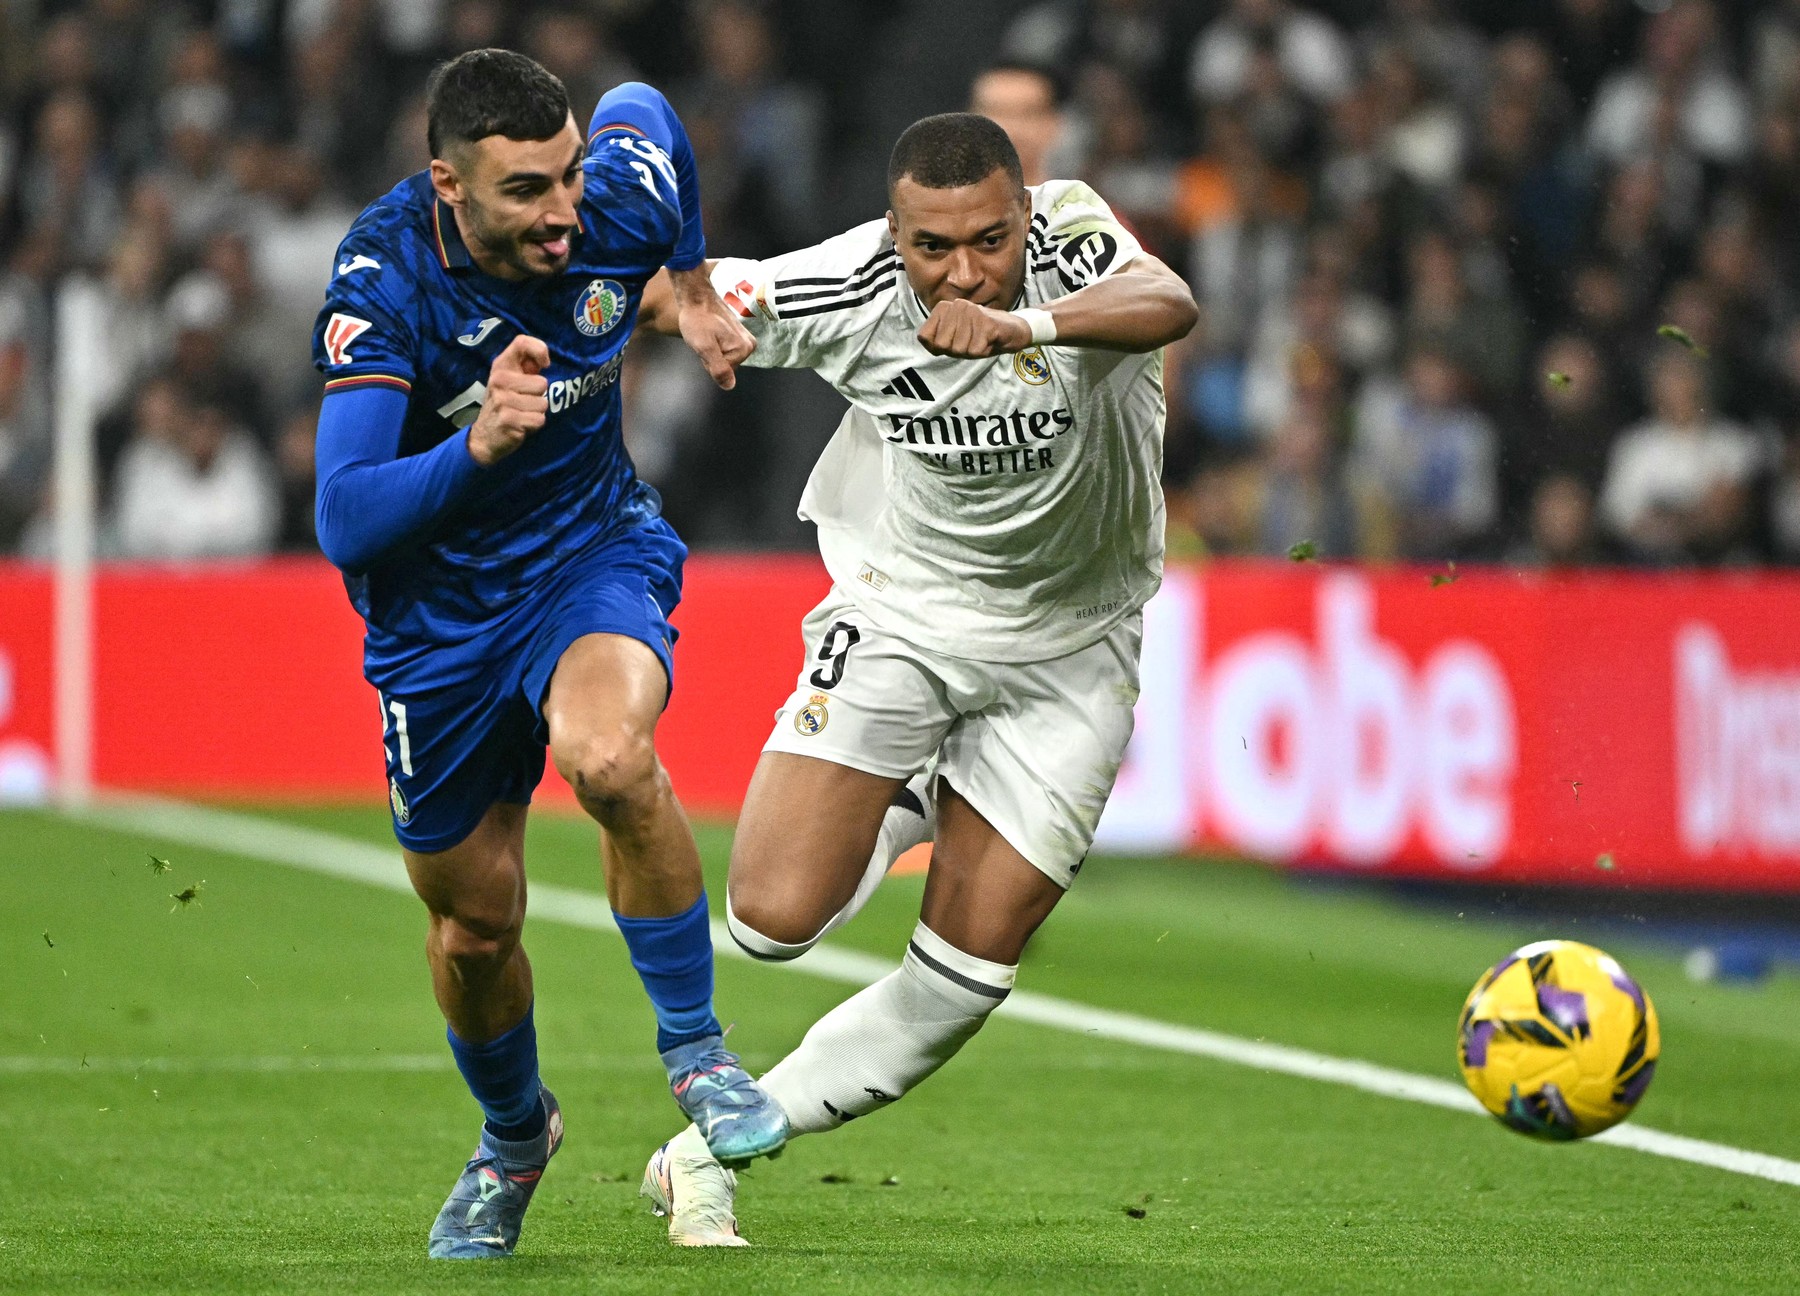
point(1006, 509)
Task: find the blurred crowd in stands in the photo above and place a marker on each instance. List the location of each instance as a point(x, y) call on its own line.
point(1514, 280)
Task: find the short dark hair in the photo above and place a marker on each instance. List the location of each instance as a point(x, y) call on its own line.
point(493, 92)
point(951, 150)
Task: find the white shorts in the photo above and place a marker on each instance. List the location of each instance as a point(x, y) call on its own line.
point(1034, 747)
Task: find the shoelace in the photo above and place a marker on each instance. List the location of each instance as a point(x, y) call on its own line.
point(723, 1074)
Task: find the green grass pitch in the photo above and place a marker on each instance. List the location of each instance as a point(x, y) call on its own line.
point(298, 1122)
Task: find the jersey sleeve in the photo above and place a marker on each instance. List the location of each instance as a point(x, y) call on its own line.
point(809, 309)
point(366, 334)
point(1075, 240)
point(370, 499)
point(639, 125)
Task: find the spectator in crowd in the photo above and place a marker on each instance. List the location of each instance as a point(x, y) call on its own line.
point(1129, 36)
point(1423, 130)
point(1483, 334)
point(293, 228)
point(24, 422)
point(1427, 460)
point(264, 334)
point(294, 446)
point(1562, 525)
point(1113, 143)
point(203, 356)
point(1322, 325)
point(68, 194)
point(1566, 426)
point(1246, 222)
point(1212, 507)
point(667, 401)
point(573, 44)
point(756, 135)
point(1517, 189)
point(1028, 103)
point(335, 107)
point(194, 115)
point(134, 334)
point(1313, 55)
point(1678, 484)
point(1679, 92)
point(1301, 496)
point(193, 483)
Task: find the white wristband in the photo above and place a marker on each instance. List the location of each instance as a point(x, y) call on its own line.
point(1041, 322)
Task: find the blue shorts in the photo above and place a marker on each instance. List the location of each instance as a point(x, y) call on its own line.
point(453, 752)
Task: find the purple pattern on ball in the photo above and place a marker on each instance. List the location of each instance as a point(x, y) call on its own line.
point(1566, 1008)
point(1630, 987)
point(1558, 1107)
point(1633, 1089)
point(1475, 1043)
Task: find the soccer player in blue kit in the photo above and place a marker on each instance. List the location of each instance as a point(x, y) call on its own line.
point(516, 577)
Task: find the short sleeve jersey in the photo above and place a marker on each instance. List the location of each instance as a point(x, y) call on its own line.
point(409, 310)
point(1006, 509)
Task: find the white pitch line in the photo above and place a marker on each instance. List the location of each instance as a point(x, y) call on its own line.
point(277, 1064)
point(342, 857)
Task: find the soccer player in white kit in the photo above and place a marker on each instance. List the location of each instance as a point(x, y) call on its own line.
point(990, 514)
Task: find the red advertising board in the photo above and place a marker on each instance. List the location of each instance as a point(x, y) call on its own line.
point(1596, 728)
point(245, 681)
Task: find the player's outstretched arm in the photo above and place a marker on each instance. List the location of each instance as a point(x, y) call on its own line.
point(1142, 306)
point(657, 311)
point(683, 303)
point(709, 327)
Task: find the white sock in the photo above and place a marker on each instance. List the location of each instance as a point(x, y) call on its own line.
point(882, 1041)
point(901, 829)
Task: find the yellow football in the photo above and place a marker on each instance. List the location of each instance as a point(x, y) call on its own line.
point(1558, 1041)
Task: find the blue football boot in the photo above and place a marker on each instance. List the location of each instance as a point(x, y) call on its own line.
point(486, 1208)
point(736, 1118)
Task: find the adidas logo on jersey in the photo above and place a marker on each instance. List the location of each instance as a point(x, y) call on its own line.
point(909, 385)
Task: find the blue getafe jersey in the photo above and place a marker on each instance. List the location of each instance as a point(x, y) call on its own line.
point(408, 310)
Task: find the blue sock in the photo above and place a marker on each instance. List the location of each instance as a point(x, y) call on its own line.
point(674, 959)
point(503, 1076)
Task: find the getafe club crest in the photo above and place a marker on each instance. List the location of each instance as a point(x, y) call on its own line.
point(600, 307)
point(812, 718)
point(1032, 367)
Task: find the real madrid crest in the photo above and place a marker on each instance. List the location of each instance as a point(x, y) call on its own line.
point(812, 718)
point(601, 306)
point(1031, 366)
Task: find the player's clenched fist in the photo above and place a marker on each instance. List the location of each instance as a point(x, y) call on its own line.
point(517, 401)
point(970, 332)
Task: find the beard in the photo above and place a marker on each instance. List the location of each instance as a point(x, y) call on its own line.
point(523, 253)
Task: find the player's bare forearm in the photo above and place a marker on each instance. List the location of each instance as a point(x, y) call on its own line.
point(658, 310)
point(711, 329)
point(682, 303)
point(1145, 305)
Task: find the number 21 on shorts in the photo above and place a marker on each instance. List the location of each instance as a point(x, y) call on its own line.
point(398, 711)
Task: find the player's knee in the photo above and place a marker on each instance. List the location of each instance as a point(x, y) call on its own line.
point(476, 943)
point(616, 775)
point(766, 929)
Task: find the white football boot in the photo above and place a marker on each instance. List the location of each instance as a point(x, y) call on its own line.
point(686, 1183)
